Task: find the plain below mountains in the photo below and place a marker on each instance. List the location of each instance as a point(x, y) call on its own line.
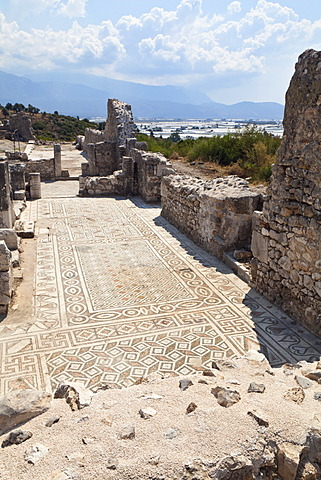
point(86, 96)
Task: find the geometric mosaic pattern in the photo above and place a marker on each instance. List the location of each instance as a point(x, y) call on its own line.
point(120, 293)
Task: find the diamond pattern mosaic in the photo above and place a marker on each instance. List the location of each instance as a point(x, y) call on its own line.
point(119, 293)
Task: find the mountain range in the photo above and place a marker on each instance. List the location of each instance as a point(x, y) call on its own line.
point(86, 96)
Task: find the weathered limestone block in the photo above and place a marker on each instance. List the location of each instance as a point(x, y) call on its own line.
point(19, 406)
point(35, 186)
point(10, 237)
point(287, 237)
point(5, 257)
point(216, 214)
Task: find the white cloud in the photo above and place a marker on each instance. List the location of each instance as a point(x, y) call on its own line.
point(162, 44)
point(49, 48)
point(73, 8)
point(234, 7)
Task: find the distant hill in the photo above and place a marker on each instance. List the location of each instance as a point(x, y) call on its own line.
point(86, 96)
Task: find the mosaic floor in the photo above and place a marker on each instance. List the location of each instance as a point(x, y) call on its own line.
point(120, 293)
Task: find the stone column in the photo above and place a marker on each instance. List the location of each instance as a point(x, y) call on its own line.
point(6, 205)
point(35, 186)
point(57, 160)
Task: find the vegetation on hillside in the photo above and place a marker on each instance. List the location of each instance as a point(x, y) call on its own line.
point(50, 126)
point(250, 153)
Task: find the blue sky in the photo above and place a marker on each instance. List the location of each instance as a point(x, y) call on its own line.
point(232, 50)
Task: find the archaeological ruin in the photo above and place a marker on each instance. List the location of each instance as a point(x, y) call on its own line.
point(287, 234)
point(130, 283)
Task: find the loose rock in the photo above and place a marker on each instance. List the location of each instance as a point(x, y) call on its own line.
point(259, 417)
point(52, 421)
point(112, 463)
point(191, 407)
point(15, 438)
point(256, 388)
point(147, 412)
point(288, 458)
point(36, 453)
point(295, 394)
point(171, 433)
point(127, 433)
point(226, 398)
point(316, 376)
point(185, 383)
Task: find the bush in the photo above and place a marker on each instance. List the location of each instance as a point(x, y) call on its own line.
point(249, 153)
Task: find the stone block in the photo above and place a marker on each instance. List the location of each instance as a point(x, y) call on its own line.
point(6, 283)
point(259, 247)
point(5, 257)
point(10, 237)
point(20, 406)
point(19, 194)
point(25, 229)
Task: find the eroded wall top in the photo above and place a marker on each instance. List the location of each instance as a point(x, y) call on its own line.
point(120, 122)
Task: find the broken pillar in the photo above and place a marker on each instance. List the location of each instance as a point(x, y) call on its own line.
point(7, 216)
point(35, 186)
point(57, 160)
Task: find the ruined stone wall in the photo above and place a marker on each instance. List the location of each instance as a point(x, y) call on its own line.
point(120, 122)
point(216, 214)
point(148, 171)
point(91, 136)
point(20, 126)
point(102, 159)
point(287, 234)
point(46, 168)
point(106, 186)
point(6, 277)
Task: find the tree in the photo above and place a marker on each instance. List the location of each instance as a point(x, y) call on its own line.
point(9, 106)
point(18, 107)
point(32, 109)
point(5, 112)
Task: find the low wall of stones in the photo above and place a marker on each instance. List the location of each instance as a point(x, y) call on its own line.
point(105, 186)
point(216, 214)
point(46, 168)
point(287, 234)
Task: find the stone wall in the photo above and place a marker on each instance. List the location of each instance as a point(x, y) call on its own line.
point(6, 277)
point(216, 214)
point(287, 234)
point(20, 126)
point(120, 122)
point(149, 169)
point(91, 136)
point(103, 158)
point(45, 166)
point(106, 186)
